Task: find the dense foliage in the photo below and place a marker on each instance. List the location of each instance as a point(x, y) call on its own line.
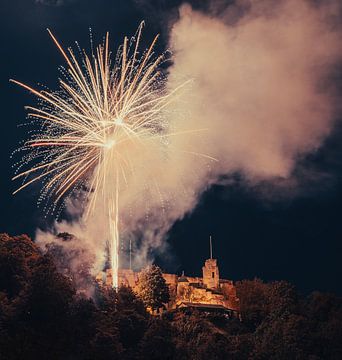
point(152, 288)
point(43, 317)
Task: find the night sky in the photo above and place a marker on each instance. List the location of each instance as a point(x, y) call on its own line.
point(266, 230)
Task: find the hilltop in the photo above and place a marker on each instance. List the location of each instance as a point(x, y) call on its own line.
point(43, 316)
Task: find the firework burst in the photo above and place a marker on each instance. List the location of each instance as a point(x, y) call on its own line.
point(89, 127)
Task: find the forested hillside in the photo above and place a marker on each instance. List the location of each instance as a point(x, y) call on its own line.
point(42, 316)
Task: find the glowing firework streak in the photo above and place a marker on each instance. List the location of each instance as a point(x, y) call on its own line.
point(86, 127)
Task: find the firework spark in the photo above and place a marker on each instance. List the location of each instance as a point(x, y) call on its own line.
point(86, 128)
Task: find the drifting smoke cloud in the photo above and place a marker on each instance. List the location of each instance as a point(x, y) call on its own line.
point(260, 97)
point(78, 256)
point(260, 89)
point(258, 83)
point(260, 93)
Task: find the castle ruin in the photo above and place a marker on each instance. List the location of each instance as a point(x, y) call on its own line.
point(207, 293)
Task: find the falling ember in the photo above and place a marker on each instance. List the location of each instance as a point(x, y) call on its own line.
point(86, 128)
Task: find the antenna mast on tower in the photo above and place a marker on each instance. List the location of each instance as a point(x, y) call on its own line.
point(130, 254)
point(211, 247)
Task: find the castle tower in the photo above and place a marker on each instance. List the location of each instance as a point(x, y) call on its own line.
point(211, 276)
point(183, 287)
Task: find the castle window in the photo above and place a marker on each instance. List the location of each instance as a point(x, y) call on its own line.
point(212, 274)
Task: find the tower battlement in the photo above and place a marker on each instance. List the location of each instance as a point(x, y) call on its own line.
point(211, 275)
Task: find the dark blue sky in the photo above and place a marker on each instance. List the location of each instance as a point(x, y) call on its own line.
point(294, 236)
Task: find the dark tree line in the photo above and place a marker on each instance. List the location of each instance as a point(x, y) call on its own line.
point(43, 317)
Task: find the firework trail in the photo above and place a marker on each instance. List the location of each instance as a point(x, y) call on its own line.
point(88, 130)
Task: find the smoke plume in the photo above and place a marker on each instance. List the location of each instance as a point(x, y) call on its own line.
point(259, 99)
point(260, 93)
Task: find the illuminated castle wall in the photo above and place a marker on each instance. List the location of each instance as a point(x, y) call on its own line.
point(208, 291)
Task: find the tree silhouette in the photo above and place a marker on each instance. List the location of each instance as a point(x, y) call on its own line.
point(152, 288)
